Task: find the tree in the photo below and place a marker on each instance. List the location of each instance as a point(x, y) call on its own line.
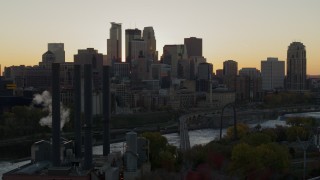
point(248, 159)
point(244, 159)
point(273, 156)
point(162, 155)
point(242, 130)
point(300, 127)
point(307, 122)
point(294, 132)
point(256, 139)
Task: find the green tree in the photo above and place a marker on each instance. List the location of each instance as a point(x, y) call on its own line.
point(271, 133)
point(273, 156)
point(248, 159)
point(160, 150)
point(244, 159)
point(294, 132)
point(256, 139)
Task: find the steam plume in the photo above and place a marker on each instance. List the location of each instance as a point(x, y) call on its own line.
point(45, 100)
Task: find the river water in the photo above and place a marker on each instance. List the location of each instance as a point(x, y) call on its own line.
point(202, 136)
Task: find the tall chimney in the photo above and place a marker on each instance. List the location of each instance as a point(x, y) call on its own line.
point(77, 110)
point(106, 110)
point(56, 114)
point(88, 116)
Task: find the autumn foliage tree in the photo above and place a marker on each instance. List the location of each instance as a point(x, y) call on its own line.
point(242, 130)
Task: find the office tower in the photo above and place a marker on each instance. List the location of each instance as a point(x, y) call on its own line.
point(91, 56)
point(205, 71)
point(150, 39)
point(171, 55)
point(230, 71)
point(160, 71)
point(219, 73)
point(139, 69)
point(272, 73)
point(183, 69)
point(249, 84)
point(296, 67)
point(114, 52)
point(47, 59)
point(121, 70)
point(194, 63)
point(138, 48)
point(58, 50)
point(230, 68)
point(253, 73)
point(131, 34)
point(204, 77)
point(194, 46)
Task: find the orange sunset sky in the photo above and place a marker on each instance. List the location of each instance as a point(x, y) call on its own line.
point(246, 31)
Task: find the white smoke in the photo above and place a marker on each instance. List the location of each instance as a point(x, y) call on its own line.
point(45, 100)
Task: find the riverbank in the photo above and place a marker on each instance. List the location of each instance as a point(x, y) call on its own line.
point(22, 150)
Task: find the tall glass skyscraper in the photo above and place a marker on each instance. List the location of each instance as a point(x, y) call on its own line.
point(114, 46)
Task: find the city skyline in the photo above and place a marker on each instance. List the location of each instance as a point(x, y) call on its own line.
point(247, 31)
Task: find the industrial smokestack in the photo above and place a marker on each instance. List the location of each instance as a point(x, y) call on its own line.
point(106, 110)
point(56, 114)
point(77, 110)
point(88, 116)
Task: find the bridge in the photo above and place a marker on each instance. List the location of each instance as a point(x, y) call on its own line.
point(184, 134)
point(183, 126)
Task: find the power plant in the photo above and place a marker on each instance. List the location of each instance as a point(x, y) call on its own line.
point(71, 159)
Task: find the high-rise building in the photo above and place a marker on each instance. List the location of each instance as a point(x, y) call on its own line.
point(194, 63)
point(58, 50)
point(183, 69)
point(47, 59)
point(131, 34)
point(253, 73)
point(219, 73)
point(151, 43)
point(296, 67)
point(138, 49)
point(171, 55)
point(121, 70)
point(205, 70)
point(91, 56)
point(272, 73)
point(139, 69)
point(248, 84)
point(114, 47)
point(194, 46)
point(230, 68)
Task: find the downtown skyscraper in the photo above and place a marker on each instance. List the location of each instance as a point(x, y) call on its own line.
point(58, 50)
point(194, 46)
point(150, 39)
point(114, 46)
point(272, 72)
point(230, 68)
point(296, 67)
point(131, 36)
